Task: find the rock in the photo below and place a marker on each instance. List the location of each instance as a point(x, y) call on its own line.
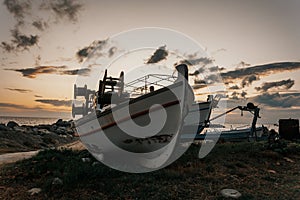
point(12, 124)
point(271, 171)
point(53, 128)
point(231, 193)
point(61, 123)
point(63, 136)
point(86, 159)
point(19, 128)
point(288, 160)
point(95, 164)
point(44, 131)
point(72, 124)
point(35, 130)
point(70, 131)
point(188, 164)
point(27, 129)
point(61, 130)
point(57, 181)
point(4, 128)
point(34, 191)
point(44, 126)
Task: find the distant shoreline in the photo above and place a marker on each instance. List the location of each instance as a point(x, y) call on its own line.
point(30, 120)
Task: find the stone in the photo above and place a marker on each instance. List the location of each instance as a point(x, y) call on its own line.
point(44, 131)
point(19, 128)
point(44, 126)
point(72, 124)
point(95, 164)
point(35, 130)
point(288, 160)
point(231, 193)
point(59, 122)
point(4, 128)
point(70, 131)
point(12, 124)
point(63, 123)
point(85, 159)
point(57, 181)
point(53, 128)
point(61, 130)
point(34, 191)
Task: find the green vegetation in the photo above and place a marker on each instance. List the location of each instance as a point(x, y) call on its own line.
point(253, 169)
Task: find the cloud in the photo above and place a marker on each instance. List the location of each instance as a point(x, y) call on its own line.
point(23, 41)
point(234, 87)
point(17, 106)
point(63, 8)
point(199, 81)
point(60, 70)
point(18, 8)
point(237, 95)
point(199, 86)
point(243, 64)
point(38, 96)
point(216, 69)
point(33, 72)
point(249, 79)
point(19, 42)
point(210, 79)
point(196, 61)
point(19, 90)
point(278, 100)
point(203, 61)
point(160, 54)
point(7, 47)
point(234, 95)
point(40, 25)
point(27, 14)
point(261, 70)
point(96, 45)
point(112, 51)
point(82, 72)
point(213, 78)
point(285, 84)
point(243, 94)
point(218, 50)
point(197, 72)
point(55, 102)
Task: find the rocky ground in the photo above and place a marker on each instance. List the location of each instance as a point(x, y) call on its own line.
point(257, 170)
point(16, 138)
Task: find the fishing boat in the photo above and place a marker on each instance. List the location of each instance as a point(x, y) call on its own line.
point(217, 132)
point(139, 123)
point(234, 135)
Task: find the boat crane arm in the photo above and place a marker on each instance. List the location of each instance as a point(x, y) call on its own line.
point(250, 107)
point(224, 113)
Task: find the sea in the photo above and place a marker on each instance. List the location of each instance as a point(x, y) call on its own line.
point(32, 121)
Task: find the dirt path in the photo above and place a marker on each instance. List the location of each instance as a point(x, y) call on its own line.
point(14, 157)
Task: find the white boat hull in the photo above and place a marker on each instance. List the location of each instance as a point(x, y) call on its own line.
point(104, 127)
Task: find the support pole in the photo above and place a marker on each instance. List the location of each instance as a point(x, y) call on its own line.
point(253, 127)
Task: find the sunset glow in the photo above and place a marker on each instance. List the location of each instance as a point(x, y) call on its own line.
point(251, 44)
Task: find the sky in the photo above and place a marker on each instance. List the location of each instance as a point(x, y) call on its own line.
point(253, 45)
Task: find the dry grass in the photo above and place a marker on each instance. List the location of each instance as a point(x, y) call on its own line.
point(253, 169)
